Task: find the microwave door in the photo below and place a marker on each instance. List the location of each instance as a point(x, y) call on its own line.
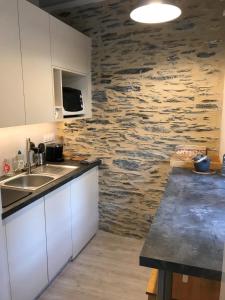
point(72, 101)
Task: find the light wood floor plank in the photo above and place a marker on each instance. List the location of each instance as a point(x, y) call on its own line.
point(107, 269)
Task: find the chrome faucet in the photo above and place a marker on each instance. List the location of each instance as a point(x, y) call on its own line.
point(28, 151)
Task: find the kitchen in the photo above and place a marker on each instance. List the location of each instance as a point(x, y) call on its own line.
point(154, 87)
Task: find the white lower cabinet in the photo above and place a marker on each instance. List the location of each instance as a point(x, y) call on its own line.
point(84, 203)
point(4, 271)
point(43, 236)
point(27, 257)
point(58, 229)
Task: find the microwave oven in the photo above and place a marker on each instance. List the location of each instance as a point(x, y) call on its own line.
point(72, 102)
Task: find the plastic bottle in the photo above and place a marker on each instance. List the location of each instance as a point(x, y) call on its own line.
point(20, 161)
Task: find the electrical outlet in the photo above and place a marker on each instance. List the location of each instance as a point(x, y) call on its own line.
point(185, 278)
point(51, 137)
point(48, 138)
point(45, 139)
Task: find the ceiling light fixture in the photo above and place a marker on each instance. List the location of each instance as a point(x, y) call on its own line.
point(155, 12)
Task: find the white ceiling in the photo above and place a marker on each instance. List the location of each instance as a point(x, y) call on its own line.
point(61, 4)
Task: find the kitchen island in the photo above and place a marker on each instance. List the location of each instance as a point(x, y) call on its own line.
point(188, 233)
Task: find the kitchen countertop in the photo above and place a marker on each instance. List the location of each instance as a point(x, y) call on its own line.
point(35, 195)
point(188, 233)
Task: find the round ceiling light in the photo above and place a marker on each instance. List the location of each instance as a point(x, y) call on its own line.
point(154, 13)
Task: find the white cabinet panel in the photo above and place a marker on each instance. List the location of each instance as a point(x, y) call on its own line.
point(71, 50)
point(84, 202)
point(27, 257)
point(36, 62)
point(4, 272)
point(58, 229)
point(11, 86)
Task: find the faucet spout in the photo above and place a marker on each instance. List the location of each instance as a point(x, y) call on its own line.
point(28, 149)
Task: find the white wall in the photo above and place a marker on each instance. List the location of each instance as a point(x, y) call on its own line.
point(13, 139)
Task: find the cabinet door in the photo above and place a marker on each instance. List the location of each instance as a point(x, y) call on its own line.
point(84, 202)
point(4, 272)
point(71, 50)
point(58, 229)
point(36, 62)
point(12, 111)
point(27, 257)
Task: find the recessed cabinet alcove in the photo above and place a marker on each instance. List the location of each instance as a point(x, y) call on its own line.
point(81, 82)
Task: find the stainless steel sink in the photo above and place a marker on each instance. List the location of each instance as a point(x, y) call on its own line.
point(40, 177)
point(29, 182)
point(56, 171)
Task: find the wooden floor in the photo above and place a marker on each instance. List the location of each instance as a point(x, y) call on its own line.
point(107, 269)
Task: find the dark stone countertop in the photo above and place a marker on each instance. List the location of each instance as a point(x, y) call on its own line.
point(35, 195)
point(188, 233)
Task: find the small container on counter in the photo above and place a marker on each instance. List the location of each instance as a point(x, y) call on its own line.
point(7, 167)
point(223, 166)
point(202, 163)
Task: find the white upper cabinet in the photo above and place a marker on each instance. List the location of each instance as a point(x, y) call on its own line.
point(32, 44)
point(58, 229)
point(71, 50)
point(36, 62)
point(11, 86)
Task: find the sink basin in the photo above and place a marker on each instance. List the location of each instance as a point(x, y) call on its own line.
point(29, 182)
point(40, 176)
point(54, 170)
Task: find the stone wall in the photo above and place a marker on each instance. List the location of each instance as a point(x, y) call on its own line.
point(154, 87)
